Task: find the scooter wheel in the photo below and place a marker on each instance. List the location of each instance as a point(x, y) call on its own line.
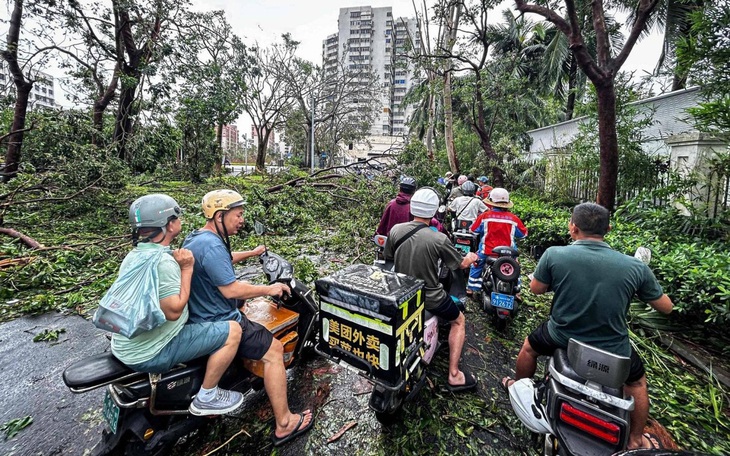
point(387, 419)
point(499, 323)
point(486, 302)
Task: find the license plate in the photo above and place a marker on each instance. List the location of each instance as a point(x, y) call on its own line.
point(110, 412)
point(463, 248)
point(503, 301)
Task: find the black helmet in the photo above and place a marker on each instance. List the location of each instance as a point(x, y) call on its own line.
point(407, 185)
point(468, 188)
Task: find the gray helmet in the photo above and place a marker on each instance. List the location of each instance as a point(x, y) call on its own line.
point(153, 211)
point(407, 184)
point(468, 188)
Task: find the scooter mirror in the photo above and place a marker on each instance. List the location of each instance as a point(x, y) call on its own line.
point(259, 227)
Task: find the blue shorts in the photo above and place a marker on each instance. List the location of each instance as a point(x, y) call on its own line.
point(447, 310)
point(193, 341)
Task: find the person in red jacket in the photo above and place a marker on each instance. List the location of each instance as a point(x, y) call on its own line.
point(484, 187)
point(498, 226)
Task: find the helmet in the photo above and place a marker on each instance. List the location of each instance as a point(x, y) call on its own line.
point(153, 211)
point(407, 185)
point(461, 180)
point(449, 174)
point(531, 413)
point(220, 200)
point(499, 197)
point(424, 203)
point(468, 188)
point(483, 179)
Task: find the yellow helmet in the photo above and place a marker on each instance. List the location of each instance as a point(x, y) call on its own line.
point(220, 200)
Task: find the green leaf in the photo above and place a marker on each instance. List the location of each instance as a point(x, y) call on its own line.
point(16, 425)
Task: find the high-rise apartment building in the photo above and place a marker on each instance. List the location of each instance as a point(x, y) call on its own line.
point(229, 138)
point(371, 40)
point(42, 94)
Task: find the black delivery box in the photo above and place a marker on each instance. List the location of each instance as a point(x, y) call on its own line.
point(371, 319)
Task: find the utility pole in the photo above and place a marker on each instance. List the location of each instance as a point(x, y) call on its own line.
point(312, 145)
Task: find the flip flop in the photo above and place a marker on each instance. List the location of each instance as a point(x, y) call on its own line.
point(654, 441)
point(298, 430)
point(506, 383)
point(470, 382)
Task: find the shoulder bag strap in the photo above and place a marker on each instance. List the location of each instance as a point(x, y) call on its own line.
point(464, 208)
point(400, 241)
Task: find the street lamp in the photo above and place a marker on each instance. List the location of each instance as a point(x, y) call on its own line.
point(312, 145)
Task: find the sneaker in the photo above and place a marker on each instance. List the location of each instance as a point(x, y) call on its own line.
point(224, 402)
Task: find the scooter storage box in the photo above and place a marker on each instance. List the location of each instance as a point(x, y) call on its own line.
point(371, 319)
point(466, 242)
point(280, 321)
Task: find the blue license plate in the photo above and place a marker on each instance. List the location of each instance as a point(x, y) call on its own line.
point(503, 301)
point(463, 248)
point(110, 412)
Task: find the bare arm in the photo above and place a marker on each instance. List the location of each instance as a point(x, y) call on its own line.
point(240, 256)
point(245, 290)
point(538, 287)
point(470, 258)
point(172, 306)
point(663, 304)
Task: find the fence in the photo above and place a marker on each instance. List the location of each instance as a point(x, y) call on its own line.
point(557, 175)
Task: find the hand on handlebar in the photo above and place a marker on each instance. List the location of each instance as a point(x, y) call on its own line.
point(279, 290)
point(258, 251)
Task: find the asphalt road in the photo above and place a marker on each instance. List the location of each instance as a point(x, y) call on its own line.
point(31, 385)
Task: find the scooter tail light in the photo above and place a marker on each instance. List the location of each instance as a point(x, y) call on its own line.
point(593, 425)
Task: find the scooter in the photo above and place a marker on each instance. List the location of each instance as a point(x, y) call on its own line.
point(147, 414)
point(580, 405)
point(500, 285)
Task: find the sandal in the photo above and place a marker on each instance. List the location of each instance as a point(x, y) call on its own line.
point(470, 382)
point(506, 383)
point(298, 430)
point(653, 441)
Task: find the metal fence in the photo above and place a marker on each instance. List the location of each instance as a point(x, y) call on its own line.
point(553, 176)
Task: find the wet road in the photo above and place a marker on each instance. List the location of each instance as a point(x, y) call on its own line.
point(31, 385)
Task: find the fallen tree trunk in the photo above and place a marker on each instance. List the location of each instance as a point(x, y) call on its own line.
point(27, 240)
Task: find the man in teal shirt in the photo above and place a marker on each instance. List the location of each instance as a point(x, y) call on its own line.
point(593, 286)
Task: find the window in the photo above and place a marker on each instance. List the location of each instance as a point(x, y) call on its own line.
point(389, 14)
point(388, 23)
point(354, 14)
point(387, 32)
point(387, 40)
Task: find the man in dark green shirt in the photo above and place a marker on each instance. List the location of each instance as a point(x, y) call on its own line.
point(593, 286)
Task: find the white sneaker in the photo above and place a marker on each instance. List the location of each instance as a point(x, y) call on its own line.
point(225, 401)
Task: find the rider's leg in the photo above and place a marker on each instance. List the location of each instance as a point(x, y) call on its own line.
point(526, 361)
point(275, 385)
point(219, 361)
point(640, 413)
point(475, 274)
point(457, 334)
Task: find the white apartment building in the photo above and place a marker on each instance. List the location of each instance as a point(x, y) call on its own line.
point(42, 94)
point(371, 40)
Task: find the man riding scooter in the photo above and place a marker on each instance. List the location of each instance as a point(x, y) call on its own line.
point(417, 250)
point(215, 296)
point(593, 286)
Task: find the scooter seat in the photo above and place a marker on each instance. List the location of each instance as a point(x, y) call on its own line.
point(95, 371)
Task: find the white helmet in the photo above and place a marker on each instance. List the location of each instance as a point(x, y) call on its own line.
point(424, 203)
point(522, 397)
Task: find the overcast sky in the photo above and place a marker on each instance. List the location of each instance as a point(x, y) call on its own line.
point(310, 21)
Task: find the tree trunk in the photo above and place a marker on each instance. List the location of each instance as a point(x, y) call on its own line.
point(261, 150)
point(608, 144)
point(123, 125)
point(100, 106)
point(22, 87)
point(431, 117)
point(572, 78)
point(219, 147)
point(15, 141)
point(449, 124)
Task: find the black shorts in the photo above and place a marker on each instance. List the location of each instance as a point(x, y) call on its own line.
point(544, 345)
point(447, 310)
point(255, 340)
